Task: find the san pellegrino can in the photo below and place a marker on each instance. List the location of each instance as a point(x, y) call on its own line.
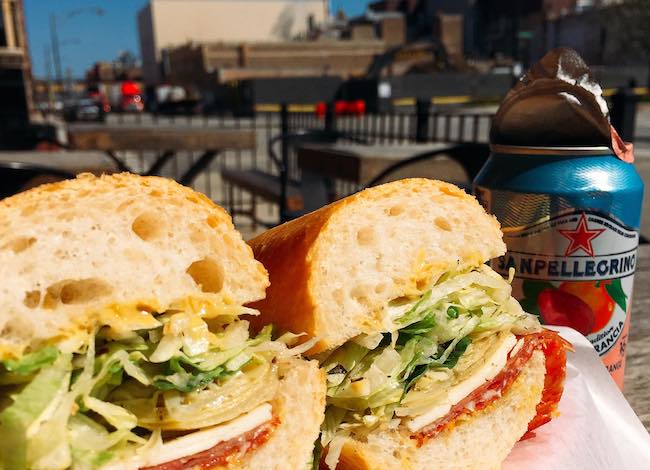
point(570, 218)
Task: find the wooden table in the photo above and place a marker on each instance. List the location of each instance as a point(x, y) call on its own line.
point(70, 162)
point(321, 164)
point(165, 140)
point(355, 162)
point(637, 369)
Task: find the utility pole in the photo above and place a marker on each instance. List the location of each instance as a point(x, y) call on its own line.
point(56, 45)
point(48, 75)
point(56, 56)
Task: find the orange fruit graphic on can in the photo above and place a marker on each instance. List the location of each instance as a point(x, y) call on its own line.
point(577, 270)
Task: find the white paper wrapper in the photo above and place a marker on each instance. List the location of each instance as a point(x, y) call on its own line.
point(596, 429)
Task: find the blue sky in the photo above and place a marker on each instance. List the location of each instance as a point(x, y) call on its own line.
point(87, 37)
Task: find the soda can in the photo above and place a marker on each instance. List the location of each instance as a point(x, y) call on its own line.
point(570, 218)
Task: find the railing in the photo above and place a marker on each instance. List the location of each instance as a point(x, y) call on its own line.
point(421, 127)
point(406, 126)
point(420, 124)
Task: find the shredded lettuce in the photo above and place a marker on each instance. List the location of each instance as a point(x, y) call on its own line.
point(179, 379)
point(314, 464)
point(32, 362)
point(452, 359)
point(93, 444)
point(32, 406)
point(114, 415)
point(369, 377)
point(117, 392)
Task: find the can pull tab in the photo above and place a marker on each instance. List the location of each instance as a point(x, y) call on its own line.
point(623, 150)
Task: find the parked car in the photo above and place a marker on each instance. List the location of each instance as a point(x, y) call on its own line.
point(100, 97)
point(84, 109)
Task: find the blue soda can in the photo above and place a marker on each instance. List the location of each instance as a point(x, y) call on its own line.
point(570, 218)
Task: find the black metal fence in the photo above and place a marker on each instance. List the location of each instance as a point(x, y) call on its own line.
point(425, 124)
point(420, 124)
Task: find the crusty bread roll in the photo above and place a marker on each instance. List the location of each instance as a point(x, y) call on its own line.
point(301, 406)
point(79, 245)
point(480, 443)
point(332, 271)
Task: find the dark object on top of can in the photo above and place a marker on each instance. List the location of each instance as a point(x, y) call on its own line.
point(556, 104)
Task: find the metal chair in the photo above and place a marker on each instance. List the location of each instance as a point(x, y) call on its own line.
point(280, 188)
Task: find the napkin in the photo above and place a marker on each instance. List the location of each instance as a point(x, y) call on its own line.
point(596, 429)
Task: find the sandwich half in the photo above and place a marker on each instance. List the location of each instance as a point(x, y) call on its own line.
point(430, 362)
point(121, 342)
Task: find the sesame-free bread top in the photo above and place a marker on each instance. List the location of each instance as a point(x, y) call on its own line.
point(334, 271)
point(78, 253)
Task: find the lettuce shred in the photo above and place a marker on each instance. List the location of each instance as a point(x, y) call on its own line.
point(93, 407)
point(32, 362)
point(430, 334)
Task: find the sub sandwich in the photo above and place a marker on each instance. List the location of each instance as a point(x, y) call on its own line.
point(430, 362)
point(121, 341)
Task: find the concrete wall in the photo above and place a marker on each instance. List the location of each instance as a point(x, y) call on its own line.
point(176, 22)
point(219, 62)
point(333, 56)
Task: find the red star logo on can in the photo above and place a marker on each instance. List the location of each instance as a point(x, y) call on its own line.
point(581, 237)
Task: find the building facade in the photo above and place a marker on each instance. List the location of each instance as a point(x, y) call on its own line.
point(218, 63)
point(15, 66)
point(167, 23)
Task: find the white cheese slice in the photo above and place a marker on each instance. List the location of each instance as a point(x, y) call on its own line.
point(517, 348)
point(208, 438)
point(486, 372)
point(198, 441)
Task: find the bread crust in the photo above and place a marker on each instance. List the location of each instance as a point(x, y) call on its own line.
point(71, 249)
point(293, 254)
point(300, 405)
point(285, 253)
point(481, 442)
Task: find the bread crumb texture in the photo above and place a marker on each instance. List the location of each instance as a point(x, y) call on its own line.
point(391, 241)
point(72, 249)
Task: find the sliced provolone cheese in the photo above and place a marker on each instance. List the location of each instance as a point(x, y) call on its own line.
point(205, 439)
point(199, 441)
point(485, 373)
